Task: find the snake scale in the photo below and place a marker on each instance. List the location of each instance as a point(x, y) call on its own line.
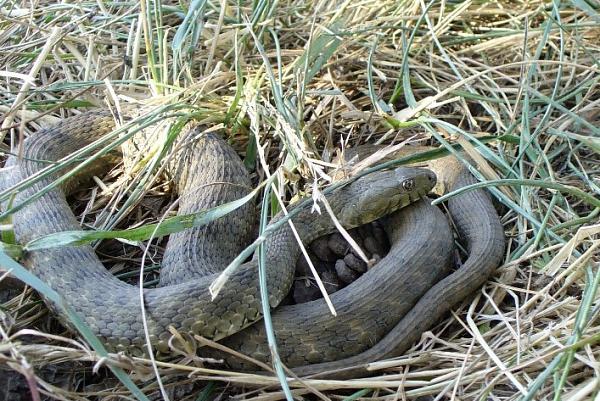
point(380, 315)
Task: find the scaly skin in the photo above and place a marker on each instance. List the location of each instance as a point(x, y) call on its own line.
point(209, 167)
point(420, 255)
point(479, 228)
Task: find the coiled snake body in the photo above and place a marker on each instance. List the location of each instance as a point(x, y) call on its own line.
point(379, 315)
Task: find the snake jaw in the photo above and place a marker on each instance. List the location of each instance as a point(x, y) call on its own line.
point(385, 192)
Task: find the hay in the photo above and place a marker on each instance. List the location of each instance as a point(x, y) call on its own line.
point(305, 78)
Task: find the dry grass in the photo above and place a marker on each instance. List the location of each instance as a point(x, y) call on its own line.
point(314, 76)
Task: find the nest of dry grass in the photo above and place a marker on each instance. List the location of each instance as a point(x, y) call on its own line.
point(520, 76)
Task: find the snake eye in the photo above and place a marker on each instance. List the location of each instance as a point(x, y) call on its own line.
point(409, 184)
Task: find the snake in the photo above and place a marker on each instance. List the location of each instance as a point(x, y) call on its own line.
point(378, 316)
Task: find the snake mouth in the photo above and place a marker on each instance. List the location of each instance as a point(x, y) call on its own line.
point(410, 197)
point(420, 194)
point(383, 193)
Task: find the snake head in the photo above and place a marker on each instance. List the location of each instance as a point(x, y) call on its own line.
point(383, 192)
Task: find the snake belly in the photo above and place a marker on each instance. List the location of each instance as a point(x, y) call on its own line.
point(111, 308)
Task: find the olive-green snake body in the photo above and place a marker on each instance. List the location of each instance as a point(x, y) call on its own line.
point(378, 316)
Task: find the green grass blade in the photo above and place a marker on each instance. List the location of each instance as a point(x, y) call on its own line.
point(566, 357)
point(403, 83)
point(168, 226)
point(33, 281)
point(106, 144)
point(188, 33)
point(147, 175)
point(378, 104)
point(264, 297)
point(584, 196)
point(321, 49)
